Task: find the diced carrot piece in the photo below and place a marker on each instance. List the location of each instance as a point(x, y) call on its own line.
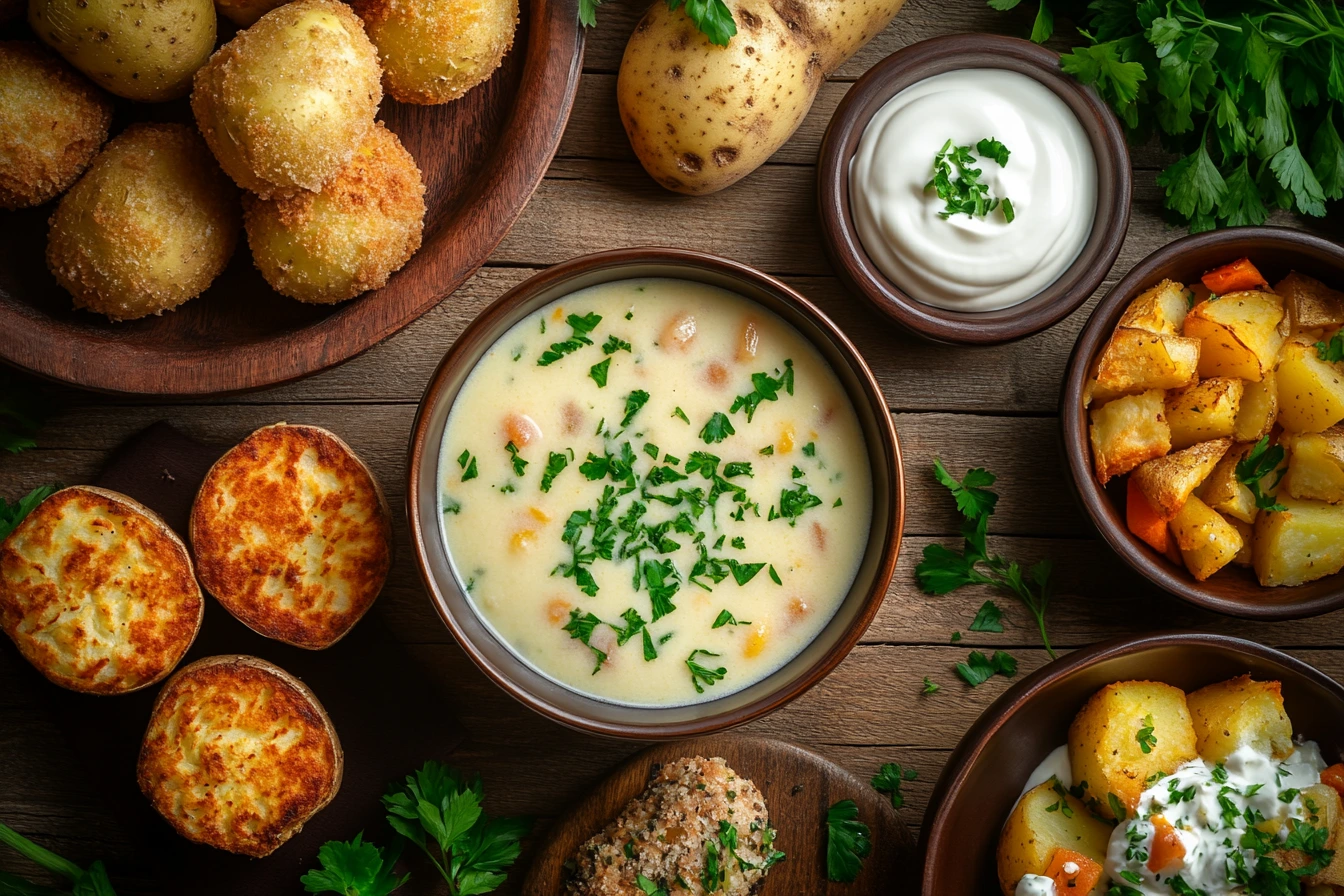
point(1240, 274)
point(1073, 872)
point(1334, 776)
point(1143, 520)
point(1167, 848)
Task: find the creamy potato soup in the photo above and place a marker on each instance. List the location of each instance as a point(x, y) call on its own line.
point(656, 492)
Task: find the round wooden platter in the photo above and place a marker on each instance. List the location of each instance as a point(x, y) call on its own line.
point(798, 786)
point(482, 157)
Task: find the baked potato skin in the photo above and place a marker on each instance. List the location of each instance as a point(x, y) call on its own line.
point(348, 237)
point(145, 50)
point(1237, 712)
point(287, 102)
point(434, 51)
point(1033, 832)
point(149, 225)
point(52, 123)
point(1104, 749)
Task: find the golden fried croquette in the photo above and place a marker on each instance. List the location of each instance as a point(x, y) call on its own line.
point(287, 102)
point(144, 50)
point(434, 51)
point(149, 225)
point(244, 12)
point(52, 122)
point(361, 226)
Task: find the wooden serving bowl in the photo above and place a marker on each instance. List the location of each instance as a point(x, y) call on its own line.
point(985, 774)
point(935, 56)
point(543, 694)
point(1233, 590)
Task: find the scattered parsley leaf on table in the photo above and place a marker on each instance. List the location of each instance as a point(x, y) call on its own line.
point(848, 842)
point(978, 668)
point(889, 779)
point(12, 514)
point(989, 619)
point(356, 868)
point(930, 686)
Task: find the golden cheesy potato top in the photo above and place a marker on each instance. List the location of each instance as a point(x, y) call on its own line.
point(97, 592)
point(238, 755)
point(292, 535)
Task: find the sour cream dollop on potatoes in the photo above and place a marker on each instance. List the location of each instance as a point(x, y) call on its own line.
point(655, 491)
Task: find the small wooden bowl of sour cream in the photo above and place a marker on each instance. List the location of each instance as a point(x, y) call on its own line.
point(971, 190)
point(655, 493)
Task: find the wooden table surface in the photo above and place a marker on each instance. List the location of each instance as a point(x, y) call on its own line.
point(991, 407)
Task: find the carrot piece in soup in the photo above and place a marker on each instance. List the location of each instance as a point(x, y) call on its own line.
point(1167, 848)
point(521, 429)
point(1143, 520)
point(1073, 872)
point(1334, 776)
point(748, 341)
point(1238, 275)
point(678, 332)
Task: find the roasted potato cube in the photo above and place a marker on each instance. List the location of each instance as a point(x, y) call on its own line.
point(1224, 492)
point(1207, 541)
point(1128, 431)
point(1161, 309)
point(1316, 465)
point(1239, 334)
point(1240, 712)
point(1168, 481)
point(1245, 556)
point(1311, 391)
point(1328, 813)
point(1204, 411)
point(1310, 304)
point(1038, 827)
point(1137, 360)
point(1302, 543)
point(1105, 750)
point(1259, 409)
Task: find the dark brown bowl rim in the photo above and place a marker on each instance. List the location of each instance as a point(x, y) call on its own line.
point(420, 452)
point(1098, 506)
point(936, 56)
point(932, 836)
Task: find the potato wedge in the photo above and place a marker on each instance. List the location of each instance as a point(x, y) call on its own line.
point(1207, 410)
point(1207, 541)
point(1300, 544)
point(1128, 431)
point(1240, 712)
point(1137, 360)
point(1106, 752)
point(1239, 334)
point(1259, 409)
point(1224, 492)
point(1167, 482)
point(1038, 827)
point(1310, 304)
point(1316, 465)
point(1161, 309)
point(1311, 391)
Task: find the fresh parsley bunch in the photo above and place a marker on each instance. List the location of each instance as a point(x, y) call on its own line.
point(439, 810)
point(713, 17)
point(92, 881)
point(1249, 92)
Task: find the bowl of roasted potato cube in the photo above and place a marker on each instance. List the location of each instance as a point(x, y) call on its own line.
point(1175, 763)
point(1203, 421)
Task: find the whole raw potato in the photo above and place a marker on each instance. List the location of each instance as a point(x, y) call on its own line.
point(143, 50)
point(287, 102)
point(701, 117)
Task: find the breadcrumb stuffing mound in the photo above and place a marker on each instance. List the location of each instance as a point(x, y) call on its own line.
point(698, 827)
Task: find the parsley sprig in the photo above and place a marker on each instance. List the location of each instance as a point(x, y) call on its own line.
point(1261, 461)
point(13, 514)
point(944, 570)
point(356, 868)
point(956, 180)
point(713, 17)
point(889, 779)
point(1332, 351)
point(848, 842)
point(92, 881)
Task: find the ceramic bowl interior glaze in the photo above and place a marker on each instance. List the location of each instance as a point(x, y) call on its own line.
point(1232, 590)
point(589, 713)
point(934, 57)
point(984, 776)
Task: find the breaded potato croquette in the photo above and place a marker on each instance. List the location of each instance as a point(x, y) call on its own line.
point(285, 104)
point(663, 835)
point(52, 123)
point(150, 225)
point(348, 237)
point(434, 51)
point(239, 755)
point(245, 12)
point(97, 592)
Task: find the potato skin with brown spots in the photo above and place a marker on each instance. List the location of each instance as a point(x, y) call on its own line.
point(292, 534)
point(239, 755)
point(97, 592)
point(701, 117)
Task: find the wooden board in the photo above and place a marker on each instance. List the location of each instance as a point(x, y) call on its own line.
point(482, 156)
point(798, 786)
